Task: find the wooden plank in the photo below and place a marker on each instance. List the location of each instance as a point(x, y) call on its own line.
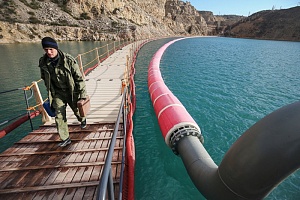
point(59, 152)
point(69, 193)
point(39, 133)
point(14, 178)
point(49, 187)
point(55, 173)
point(24, 168)
point(90, 192)
point(29, 175)
point(17, 196)
point(87, 174)
point(44, 194)
point(87, 156)
point(47, 141)
point(51, 128)
point(40, 177)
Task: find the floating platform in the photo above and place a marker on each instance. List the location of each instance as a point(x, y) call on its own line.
point(36, 168)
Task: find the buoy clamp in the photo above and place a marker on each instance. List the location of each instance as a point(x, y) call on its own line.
point(181, 132)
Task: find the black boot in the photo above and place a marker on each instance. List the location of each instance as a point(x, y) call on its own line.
point(83, 124)
point(64, 143)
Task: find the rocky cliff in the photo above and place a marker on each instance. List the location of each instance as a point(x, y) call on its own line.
point(30, 20)
point(93, 20)
point(217, 23)
point(269, 24)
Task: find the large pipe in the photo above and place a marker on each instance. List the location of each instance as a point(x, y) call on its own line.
point(266, 153)
point(258, 161)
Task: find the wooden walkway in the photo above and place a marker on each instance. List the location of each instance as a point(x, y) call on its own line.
point(36, 168)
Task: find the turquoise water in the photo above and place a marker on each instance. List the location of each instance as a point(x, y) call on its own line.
point(226, 85)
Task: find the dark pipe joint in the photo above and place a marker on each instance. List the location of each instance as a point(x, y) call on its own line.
point(178, 134)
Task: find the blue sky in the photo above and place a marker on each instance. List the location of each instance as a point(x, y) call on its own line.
point(241, 7)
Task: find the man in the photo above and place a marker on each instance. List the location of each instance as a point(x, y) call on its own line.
point(64, 83)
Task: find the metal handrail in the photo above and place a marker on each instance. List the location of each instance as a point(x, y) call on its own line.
point(12, 119)
point(27, 106)
point(12, 90)
point(106, 182)
point(108, 49)
point(123, 151)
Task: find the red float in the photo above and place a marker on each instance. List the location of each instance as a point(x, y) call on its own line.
point(170, 112)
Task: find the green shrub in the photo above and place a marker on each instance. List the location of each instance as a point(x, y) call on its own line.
point(84, 16)
point(114, 24)
point(11, 10)
point(33, 20)
point(10, 19)
point(31, 36)
point(8, 7)
point(64, 23)
point(54, 24)
point(33, 4)
point(30, 13)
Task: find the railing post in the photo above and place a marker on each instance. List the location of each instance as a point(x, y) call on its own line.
point(97, 54)
point(107, 50)
point(105, 178)
point(110, 186)
point(28, 112)
point(134, 49)
point(114, 46)
point(124, 146)
point(80, 65)
point(127, 69)
point(39, 101)
point(131, 53)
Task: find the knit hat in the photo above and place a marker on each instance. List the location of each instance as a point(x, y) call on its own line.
point(49, 42)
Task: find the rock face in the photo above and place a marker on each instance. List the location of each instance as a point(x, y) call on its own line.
point(270, 24)
point(217, 23)
point(94, 20)
point(182, 18)
point(30, 20)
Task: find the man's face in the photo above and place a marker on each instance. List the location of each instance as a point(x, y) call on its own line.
point(51, 52)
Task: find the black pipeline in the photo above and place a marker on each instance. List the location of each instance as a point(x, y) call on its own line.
point(257, 162)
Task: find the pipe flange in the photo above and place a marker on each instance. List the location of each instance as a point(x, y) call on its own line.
point(181, 132)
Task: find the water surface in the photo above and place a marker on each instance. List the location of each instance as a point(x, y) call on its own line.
point(227, 85)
